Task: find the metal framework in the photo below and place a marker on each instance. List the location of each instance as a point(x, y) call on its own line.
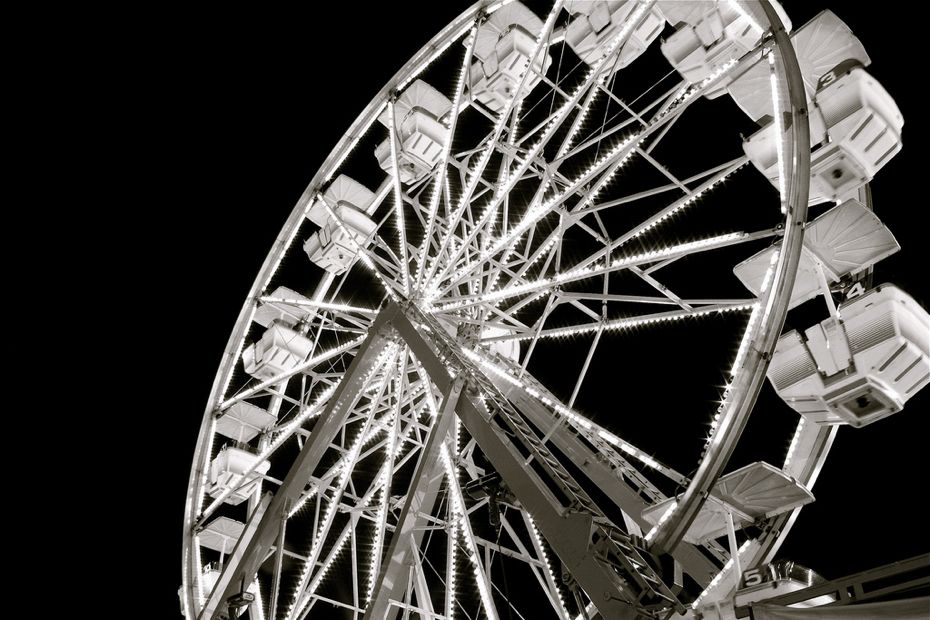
point(413, 453)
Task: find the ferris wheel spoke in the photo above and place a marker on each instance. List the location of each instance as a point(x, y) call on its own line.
point(585, 272)
point(441, 177)
point(398, 200)
point(548, 132)
point(310, 363)
point(628, 322)
point(343, 479)
point(537, 561)
point(600, 173)
point(651, 281)
point(476, 173)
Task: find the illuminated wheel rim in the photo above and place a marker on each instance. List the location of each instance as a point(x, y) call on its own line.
point(473, 269)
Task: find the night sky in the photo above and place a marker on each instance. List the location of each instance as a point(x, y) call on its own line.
point(237, 111)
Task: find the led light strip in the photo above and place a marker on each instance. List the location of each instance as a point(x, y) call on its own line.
point(593, 270)
point(794, 443)
point(446, 151)
point(461, 515)
point(572, 416)
point(381, 517)
point(398, 199)
point(757, 309)
point(665, 516)
point(320, 305)
point(687, 202)
point(627, 323)
point(542, 551)
point(719, 576)
point(779, 129)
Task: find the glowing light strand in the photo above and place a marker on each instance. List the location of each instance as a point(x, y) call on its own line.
point(572, 416)
point(320, 305)
point(343, 478)
point(779, 132)
point(537, 540)
point(579, 273)
point(631, 322)
point(440, 182)
point(795, 440)
point(464, 530)
point(398, 199)
point(524, 162)
point(665, 517)
point(476, 172)
point(719, 576)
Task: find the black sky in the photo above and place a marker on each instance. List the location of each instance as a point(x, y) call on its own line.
point(227, 114)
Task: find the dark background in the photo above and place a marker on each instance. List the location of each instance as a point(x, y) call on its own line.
point(219, 119)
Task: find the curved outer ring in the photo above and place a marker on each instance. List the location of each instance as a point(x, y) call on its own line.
point(751, 374)
point(766, 333)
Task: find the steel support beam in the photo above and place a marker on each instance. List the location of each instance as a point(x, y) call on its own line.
point(250, 550)
point(576, 539)
point(774, 304)
point(424, 486)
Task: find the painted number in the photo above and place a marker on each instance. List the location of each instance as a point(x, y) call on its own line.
point(855, 290)
point(752, 577)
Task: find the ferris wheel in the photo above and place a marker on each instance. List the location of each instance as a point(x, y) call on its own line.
point(432, 402)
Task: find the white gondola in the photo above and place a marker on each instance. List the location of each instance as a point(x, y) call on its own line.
point(844, 241)
point(753, 492)
point(289, 314)
point(861, 368)
point(503, 46)
point(343, 190)
point(709, 35)
point(598, 22)
point(825, 47)
point(421, 134)
point(332, 247)
point(221, 534)
point(227, 471)
point(855, 130)
point(244, 421)
point(279, 350)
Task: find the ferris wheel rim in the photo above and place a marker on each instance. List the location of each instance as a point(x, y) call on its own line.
point(412, 68)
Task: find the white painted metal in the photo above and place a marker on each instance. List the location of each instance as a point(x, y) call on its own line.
point(842, 242)
point(244, 421)
point(860, 369)
point(710, 35)
point(503, 47)
point(235, 468)
point(743, 497)
point(469, 262)
point(597, 22)
point(279, 350)
point(826, 48)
